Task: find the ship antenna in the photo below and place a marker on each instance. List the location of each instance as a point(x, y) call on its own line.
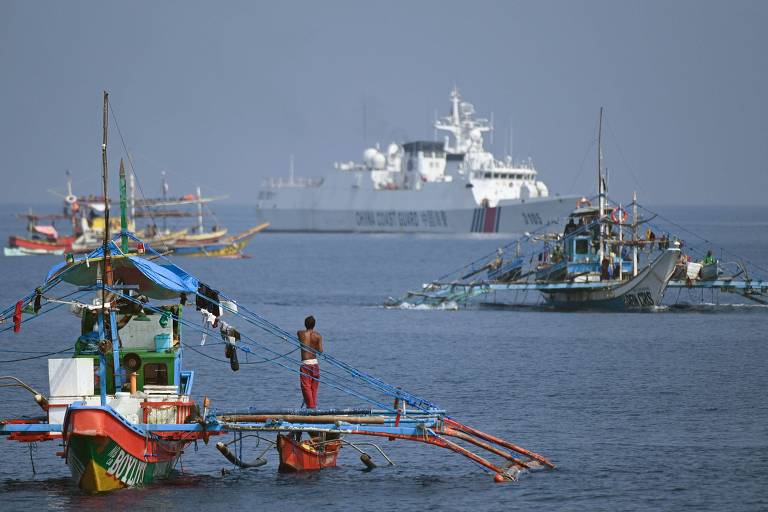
point(492, 130)
point(365, 122)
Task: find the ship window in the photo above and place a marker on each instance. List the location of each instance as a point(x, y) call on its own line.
point(488, 175)
point(155, 374)
point(581, 246)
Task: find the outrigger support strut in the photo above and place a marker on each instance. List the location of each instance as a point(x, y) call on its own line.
point(424, 427)
point(499, 441)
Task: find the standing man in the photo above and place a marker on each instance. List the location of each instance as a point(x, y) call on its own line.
point(311, 345)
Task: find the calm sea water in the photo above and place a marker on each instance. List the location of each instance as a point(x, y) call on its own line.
point(661, 411)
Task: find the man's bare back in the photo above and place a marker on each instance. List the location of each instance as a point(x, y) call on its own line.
point(311, 339)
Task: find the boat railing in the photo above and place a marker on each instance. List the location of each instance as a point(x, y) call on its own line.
point(292, 182)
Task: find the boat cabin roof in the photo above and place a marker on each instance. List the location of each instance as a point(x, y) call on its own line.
point(591, 210)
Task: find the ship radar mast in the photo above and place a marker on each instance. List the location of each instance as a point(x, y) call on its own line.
point(462, 124)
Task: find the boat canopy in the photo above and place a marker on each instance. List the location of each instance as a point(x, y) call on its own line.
point(156, 281)
point(49, 231)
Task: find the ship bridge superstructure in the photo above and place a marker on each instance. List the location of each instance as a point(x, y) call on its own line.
point(461, 157)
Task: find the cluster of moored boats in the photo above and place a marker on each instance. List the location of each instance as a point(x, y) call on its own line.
point(86, 222)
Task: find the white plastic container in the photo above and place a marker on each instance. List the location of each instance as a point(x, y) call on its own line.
point(127, 406)
point(57, 406)
point(70, 377)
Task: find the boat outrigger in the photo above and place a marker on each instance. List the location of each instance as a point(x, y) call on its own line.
point(122, 405)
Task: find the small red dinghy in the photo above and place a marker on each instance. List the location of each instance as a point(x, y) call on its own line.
point(309, 454)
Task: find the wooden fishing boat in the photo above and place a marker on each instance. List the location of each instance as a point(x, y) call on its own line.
point(41, 246)
point(42, 239)
point(22, 251)
point(228, 247)
point(201, 238)
point(310, 454)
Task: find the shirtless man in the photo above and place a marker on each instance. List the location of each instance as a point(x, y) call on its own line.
point(311, 345)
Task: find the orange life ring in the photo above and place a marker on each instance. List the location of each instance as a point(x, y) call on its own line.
point(581, 203)
point(615, 216)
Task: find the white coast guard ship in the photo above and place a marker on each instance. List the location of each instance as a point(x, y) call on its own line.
point(455, 186)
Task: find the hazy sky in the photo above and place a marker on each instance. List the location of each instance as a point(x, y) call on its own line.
point(221, 93)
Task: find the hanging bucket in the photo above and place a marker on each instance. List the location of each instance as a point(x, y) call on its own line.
point(163, 342)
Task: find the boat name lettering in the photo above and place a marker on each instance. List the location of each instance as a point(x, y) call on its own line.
point(532, 218)
point(412, 218)
point(125, 467)
point(641, 298)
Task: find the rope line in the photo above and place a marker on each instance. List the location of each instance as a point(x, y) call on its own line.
point(323, 379)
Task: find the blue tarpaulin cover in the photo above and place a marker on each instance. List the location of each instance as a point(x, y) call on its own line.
point(155, 281)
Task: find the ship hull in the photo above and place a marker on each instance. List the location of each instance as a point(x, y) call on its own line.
point(105, 453)
point(298, 457)
point(510, 217)
point(643, 291)
point(41, 246)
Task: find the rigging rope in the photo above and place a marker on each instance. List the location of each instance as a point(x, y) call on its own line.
point(133, 171)
point(326, 380)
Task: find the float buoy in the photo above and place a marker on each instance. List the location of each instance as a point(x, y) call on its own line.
point(619, 215)
point(369, 464)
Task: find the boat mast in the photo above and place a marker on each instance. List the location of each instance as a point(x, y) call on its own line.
point(69, 184)
point(123, 215)
point(620, 251)
point(600, 184)
point(106, 265)
point(634, 233)
point(199, 211)
point(71, 205)
point(165, 200)
point(132, 192)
